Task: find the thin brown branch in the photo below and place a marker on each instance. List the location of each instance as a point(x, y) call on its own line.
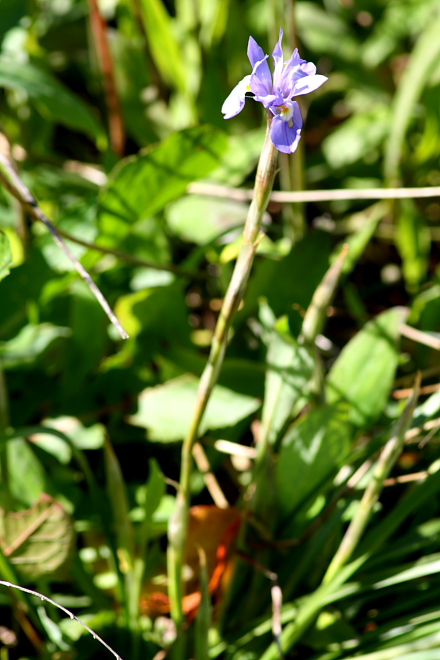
point(416, 431)
point(12, 182)
point(297, 197)
point(405, 393)
point(409, 379)
point(115, 120)
point(406, 478)
point(209, 477)
point(420, 337)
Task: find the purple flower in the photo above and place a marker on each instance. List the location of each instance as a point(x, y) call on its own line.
point(290, 79)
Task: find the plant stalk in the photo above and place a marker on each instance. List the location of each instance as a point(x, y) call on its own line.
point(178, 527)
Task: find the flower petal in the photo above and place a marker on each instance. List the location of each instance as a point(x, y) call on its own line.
point(279, 61)
point(261, 79)
point(289, 73)
point(308, 84)
point(255, 52)
point(258, 60)
point(286, 135)
point(236, 99)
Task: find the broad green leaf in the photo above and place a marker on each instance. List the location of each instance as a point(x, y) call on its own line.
point(364, 371)
point(166, 410)
point(200, 219)
point(90, 437)
point(160, 314)
point(5, 255)
point(52, 98)
point(289, 368)
point(30, 342)
point(415, 76)
point(26, 473)
point(142, 185)
point(311, 451)
point(38, 541)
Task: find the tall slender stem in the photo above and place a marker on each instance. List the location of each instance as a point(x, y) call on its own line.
point(178, 527)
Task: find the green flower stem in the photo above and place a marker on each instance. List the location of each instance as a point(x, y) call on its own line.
point(177, 531)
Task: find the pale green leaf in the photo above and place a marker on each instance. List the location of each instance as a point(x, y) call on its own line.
point(30, 342)
point(142, 185)
point(166, 410)
point(289, 368)
point(200, 219)
point(364, 371)
point(312, 450)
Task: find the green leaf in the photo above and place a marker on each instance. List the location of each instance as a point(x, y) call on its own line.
point(283, 282)
point(364, 371)
point(415, 76)
point(240, 158)
point(30, 342)
point(323, 32)
point(312, 450)
point(357, 136)
point(164, 46)
point(154, 491)
point(117, 494)
point(52, 98)
point(166, 410)
point(5, 255)
point(359, 239)
point(414, 243)
point(159, 314)
point(142, 185)
point(38, 541)
point(289, 369)
point(26, 473)
point(200, 219)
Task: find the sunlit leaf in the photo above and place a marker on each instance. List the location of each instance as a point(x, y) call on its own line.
point(142, 185)
point(311, 451)
point(166, 410)
point(364, 371)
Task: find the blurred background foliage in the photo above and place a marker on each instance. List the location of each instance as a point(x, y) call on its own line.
point(111, 110)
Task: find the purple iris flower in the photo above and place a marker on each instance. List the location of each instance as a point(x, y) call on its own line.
point(291, 78)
